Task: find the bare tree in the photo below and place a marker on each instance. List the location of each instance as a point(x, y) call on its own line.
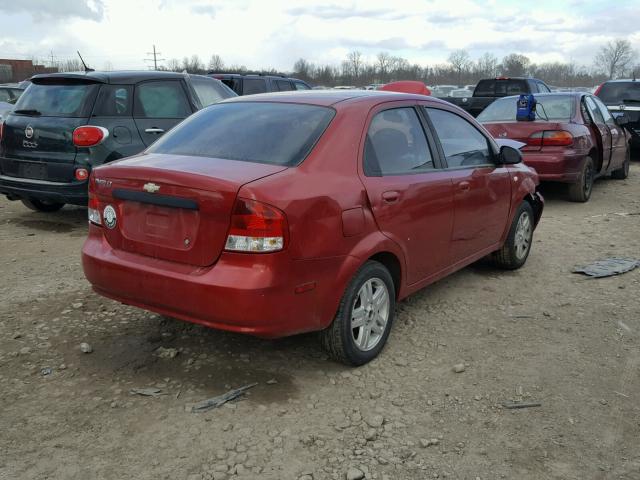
point(173, 65)
point(215, 63)
point(384, 64)
point(460, 61)
point(70, 65)
point(486, 66)
point(354, 59)
point(193, 64)
point(614, 57)
point(302, 69)
point(515, 65)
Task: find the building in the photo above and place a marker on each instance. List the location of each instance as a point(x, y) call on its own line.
point(18, 70)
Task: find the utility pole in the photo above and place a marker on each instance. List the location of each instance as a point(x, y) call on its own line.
point(155, 58)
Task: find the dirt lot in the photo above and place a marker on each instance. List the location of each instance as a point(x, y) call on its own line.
point(539, 334)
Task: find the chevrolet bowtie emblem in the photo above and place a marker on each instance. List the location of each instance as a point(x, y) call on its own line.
point(151, 187)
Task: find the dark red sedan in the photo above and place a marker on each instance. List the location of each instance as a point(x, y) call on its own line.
point(573, 140)
point(285, 213)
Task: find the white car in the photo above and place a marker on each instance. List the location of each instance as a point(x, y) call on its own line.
point(461, 93)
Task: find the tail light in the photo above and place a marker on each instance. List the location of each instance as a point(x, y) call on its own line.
point(89, 136)
point(82, 174)
point(92, 210)
point(550, 138)
point(256, 227)
point(1, 129)
point(598, 89)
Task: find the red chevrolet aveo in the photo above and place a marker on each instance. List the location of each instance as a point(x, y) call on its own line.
point(286, 213)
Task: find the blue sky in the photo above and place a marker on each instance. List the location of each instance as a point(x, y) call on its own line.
point(274, 33)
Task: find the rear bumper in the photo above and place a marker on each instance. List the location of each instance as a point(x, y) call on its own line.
point(555, 167)
point(252, 294)
point(15, 187)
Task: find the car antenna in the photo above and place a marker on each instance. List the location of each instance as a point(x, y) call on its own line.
point(86, 69)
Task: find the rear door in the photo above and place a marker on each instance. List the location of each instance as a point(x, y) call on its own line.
point(158, 105)
point(481, 189)
point(601, 130)
point(411, 197)
point(37, 140)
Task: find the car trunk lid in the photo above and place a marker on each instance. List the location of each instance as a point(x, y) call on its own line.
point(521, 131)
point(171, 207)
point(37, 140)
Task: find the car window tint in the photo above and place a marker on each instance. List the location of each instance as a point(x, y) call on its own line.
point(164, 99)
point(251, 86)
point(301, 86)
point(463, 144)
point(396, 144)
point(485, 88)
point(233, 84)
point(284, 85)
point(274, 133)
point(603, 110)
point(72, 99)
point(515, 87)
point(208, 91)
point(596, 115)
point(113, 101)
point(5, 96)
point(617, 93)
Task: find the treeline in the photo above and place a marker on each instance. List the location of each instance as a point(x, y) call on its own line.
point(613, 60)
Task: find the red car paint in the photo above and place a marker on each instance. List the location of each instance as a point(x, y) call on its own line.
point(422, 226)
point(407, 86)
point(605, 141)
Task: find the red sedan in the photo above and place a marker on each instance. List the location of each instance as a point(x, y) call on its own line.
point(285, 213)
point(573, 140)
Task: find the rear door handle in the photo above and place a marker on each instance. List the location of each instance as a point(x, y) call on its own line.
point(464, 186)
point(154, 130)
point(391, 196)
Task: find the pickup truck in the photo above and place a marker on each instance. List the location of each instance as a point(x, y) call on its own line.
point(490, 89)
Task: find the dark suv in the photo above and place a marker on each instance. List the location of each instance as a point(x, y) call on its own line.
point(259, 83)
point(65, 124)
point(622, 98)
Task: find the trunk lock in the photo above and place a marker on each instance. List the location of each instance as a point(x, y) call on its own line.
point(187, 242)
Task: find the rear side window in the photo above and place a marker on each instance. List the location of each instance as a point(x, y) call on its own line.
point(396, 144)
point(301, 86)
point(617, 93)
point(273, 133)
point(59, 100)
point(251, 86)
point(114, 101)
point(485, 88)
point(209, 91)
point(163, 99)
point(462, 143)
point(5, 96)
point(284, 85)
point(595, 112)
point(233, 84)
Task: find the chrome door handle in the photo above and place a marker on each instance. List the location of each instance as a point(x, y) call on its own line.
point(464, 186)
point(154, 130)
point(390, 196)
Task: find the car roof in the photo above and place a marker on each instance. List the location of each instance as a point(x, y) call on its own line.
point(623, 80)
point(548, 94)
point(328, 98)
point(117, 77)
point(256, 75)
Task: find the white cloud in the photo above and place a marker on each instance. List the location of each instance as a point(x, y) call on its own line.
point(261, 34)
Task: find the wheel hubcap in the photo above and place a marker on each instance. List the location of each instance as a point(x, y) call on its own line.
point(524, 232)
point(370, 314)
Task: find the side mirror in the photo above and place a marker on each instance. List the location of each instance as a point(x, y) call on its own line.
point(510, 155)
point(621, 119)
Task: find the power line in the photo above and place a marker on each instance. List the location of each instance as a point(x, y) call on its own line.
point(155, 58)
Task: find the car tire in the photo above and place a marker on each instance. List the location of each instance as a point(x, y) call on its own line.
point(580, 191)
point(516, 248)
point(41, 205)
point(622, 172)
point(369, 303)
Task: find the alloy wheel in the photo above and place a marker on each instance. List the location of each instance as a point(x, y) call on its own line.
point(524, 233)
point(370, 314)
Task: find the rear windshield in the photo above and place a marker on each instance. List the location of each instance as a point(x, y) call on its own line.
point(500, 88)
point(549, 107)
point(617, 93)
point(58, 100)
point(274, 133)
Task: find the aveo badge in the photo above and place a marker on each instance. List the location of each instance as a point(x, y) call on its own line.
point(109, 216)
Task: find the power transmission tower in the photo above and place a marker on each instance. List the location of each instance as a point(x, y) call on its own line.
point(155, 58)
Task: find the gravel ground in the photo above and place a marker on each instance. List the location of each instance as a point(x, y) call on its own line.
point(540, 334)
